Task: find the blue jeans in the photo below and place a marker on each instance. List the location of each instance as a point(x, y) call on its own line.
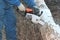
point(9, 20)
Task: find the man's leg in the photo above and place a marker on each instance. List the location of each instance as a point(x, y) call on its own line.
point(0, 33)
point(1, 21)
point(10, 24)
point(0, 30)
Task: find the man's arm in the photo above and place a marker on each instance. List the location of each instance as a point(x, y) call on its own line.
point(29, 3)
point(21, 7)
point(17, 3)
point(13, 2)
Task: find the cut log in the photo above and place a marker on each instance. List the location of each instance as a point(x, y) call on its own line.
point(48, 33)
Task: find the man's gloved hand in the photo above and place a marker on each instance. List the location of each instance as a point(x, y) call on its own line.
point(33, 10)
point(21, 7)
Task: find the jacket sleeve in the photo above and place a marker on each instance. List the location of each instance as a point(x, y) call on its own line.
point(13, 2)
point(30, 3)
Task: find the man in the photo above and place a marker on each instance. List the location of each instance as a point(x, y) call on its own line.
point(8, 18)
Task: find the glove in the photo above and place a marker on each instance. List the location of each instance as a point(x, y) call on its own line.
point(21, 7)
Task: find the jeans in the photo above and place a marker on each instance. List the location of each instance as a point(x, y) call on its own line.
point(9, 21)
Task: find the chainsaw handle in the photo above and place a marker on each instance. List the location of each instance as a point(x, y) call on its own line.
point(28, 10)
